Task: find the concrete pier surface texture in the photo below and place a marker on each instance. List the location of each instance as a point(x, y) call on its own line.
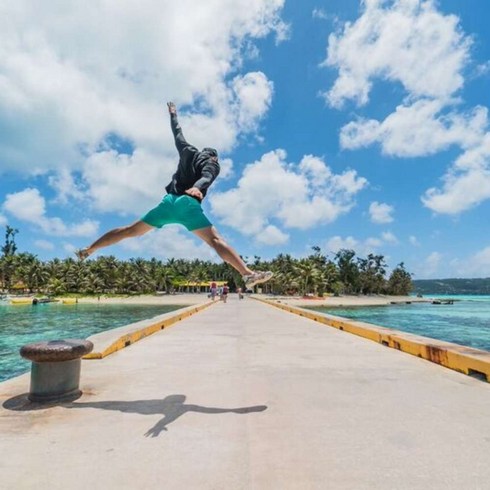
point(246, 396)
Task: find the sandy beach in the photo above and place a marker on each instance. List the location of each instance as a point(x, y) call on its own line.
point(191, 299)
point(149, 299)
point(375, 300)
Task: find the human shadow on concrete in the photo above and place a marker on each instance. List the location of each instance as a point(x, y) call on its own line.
point(21, 403)
point(171, 407)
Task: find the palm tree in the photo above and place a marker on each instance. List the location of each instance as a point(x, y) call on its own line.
point(7, 271)
point(55, 268)
point(348, 270)
point(37, 276)
point(107, 270)
point(141, 279)
point(164, 277)
point(329, 278)
point(400, 281)
point(92, 284)
point(308, 276)
point(30, 271)
point(371, 274)
point(313, 274)
point(10, 246)
point(56, 286)
point(75, 273)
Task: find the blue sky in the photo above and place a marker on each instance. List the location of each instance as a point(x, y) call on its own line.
point(342, 124)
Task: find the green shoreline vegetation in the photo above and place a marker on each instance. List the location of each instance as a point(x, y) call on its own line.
point(480, 286)
point(316, 274)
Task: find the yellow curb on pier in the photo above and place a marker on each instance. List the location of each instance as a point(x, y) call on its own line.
point(467, 360)
point(133, 336)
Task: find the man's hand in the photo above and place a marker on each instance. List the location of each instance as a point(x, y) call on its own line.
point(194, 192)
point(155, 431)
point(171, 108)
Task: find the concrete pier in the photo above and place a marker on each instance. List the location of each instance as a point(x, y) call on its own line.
point(246, 396)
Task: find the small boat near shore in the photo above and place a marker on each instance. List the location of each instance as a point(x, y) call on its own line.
point(31, 301)
point(40, 301)
point(443, 301)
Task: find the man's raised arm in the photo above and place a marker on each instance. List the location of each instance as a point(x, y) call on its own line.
point(180, 141)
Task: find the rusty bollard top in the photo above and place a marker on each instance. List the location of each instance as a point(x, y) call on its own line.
point(56, 350)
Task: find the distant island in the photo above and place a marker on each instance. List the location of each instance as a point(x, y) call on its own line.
point(451, 286)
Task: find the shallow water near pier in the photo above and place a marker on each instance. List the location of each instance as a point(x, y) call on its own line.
point(466, 322)
point(24, 324)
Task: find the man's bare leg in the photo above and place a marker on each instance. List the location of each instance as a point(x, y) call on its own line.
point(113, 236)
point(211, 236)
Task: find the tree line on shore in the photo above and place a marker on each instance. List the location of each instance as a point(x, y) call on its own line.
point(476, 286)
point(316, 274)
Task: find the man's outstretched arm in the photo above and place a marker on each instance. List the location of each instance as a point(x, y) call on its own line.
point(180, 141)
point(208, 175)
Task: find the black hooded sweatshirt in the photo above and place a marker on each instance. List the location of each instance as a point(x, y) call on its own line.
point(196, 168)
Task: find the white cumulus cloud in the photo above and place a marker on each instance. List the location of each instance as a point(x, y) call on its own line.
point(254, 95)
point(69, 248)
point(406, 41)
point(411, 42)
point(319, 13)
point(226, 168)
point(476, 265)
point(389, 237)
point(272, 191)
point(430, 267)
point(414, 241)
point(77, 77)
point(44, 244)
point(361, 247)
point(337, 243)
point(465, 185)
point(381, 213)
point(170, 242)
point(30, 206)
point(126, 183)
point(272, 235)
point(421, 128)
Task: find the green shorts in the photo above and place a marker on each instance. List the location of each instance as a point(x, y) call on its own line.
point(183, 210)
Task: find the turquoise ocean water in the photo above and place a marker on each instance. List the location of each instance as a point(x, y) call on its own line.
point(466, 322)
point(21, 325)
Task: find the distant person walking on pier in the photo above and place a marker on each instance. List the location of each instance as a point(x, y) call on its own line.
point(196, 171)
point(214, 290)
point(224, 293)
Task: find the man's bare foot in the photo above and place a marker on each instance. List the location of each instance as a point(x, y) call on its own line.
point(82, 253)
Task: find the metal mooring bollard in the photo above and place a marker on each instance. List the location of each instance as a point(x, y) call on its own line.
point(55, 371)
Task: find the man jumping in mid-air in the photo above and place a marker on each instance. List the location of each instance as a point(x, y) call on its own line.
point(182, 204)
